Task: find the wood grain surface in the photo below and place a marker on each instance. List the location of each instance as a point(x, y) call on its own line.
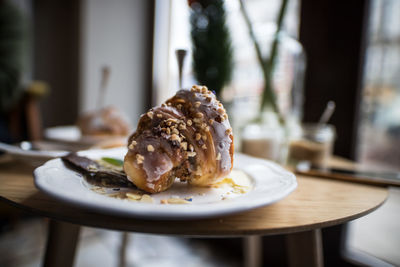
point(316, 203)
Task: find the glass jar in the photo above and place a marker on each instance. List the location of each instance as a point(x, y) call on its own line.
point(263, 141)
point(268, 138)
point(315, 145)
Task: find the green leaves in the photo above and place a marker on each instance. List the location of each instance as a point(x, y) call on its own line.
point(268, 98)
point(212, 50)
point(113, 161)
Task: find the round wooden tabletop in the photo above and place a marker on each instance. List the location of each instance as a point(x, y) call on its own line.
point(316, 203)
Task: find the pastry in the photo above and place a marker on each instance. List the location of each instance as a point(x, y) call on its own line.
point(188, 137)
point(106, 121)
point(96, 173)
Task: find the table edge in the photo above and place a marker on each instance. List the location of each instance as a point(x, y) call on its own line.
point(208, 233)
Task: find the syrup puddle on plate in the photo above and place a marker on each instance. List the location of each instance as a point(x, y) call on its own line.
point(236, 184)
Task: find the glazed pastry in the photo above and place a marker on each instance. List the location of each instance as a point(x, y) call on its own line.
point(188, 137)
point(106, 121)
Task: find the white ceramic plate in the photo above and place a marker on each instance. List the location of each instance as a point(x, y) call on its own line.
point(31, 155)
point(69, 133)
point(264, 181)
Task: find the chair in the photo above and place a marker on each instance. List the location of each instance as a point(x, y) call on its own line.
point(25, 120)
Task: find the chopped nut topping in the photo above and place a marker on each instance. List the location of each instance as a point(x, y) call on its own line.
point(203, 125)
point(220, 111)
point(207, 129)
point(198, 170)
point(175, 137)
point(169, 123)
point(150, 114)
point(199, 115)
point(180, 100)
point(191, 148)
point(228, 131)
point(184, 145)
point(132, 145)
point(197, 104)
point(169, 104)
point(197, 120)
point(133, 196)
point(163, 105)
point(210, 121)
point(159, 115)
point(208, 99)
point(182, 126)
point(218, 156)
point(196, 88)
point(198, 137)
point(189, 122)
point(147, 199)
point(191, 154)
point(139, 159)
point(175, 131)
point(168, 131)
point(204, 146)
point(150, 148)
point(175, 201)
point(92, 167)
point(204, 137)
point(179, 106)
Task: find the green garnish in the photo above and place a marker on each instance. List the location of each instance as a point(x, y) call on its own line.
point(113, 161)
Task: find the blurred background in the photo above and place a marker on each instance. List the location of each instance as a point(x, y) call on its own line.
point(61, 60)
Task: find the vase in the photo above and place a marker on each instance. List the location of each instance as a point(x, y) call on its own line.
point(263, 134)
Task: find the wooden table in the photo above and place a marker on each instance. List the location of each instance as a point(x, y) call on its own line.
point(315, 204)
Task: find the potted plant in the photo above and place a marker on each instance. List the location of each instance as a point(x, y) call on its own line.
point(211, 51)
point(268, 134)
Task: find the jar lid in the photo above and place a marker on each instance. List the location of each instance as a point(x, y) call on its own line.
point(320, 133)
point(261, 131)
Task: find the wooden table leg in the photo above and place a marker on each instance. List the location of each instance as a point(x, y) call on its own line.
point(305, 249)
point(61, 244)
point(252, 251)
point(123, 248)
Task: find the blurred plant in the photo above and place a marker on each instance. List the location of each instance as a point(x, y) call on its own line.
point(268, 98)
point(212, 50)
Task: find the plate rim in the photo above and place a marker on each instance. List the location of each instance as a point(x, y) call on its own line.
point(39, 154)
point(168, 212)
